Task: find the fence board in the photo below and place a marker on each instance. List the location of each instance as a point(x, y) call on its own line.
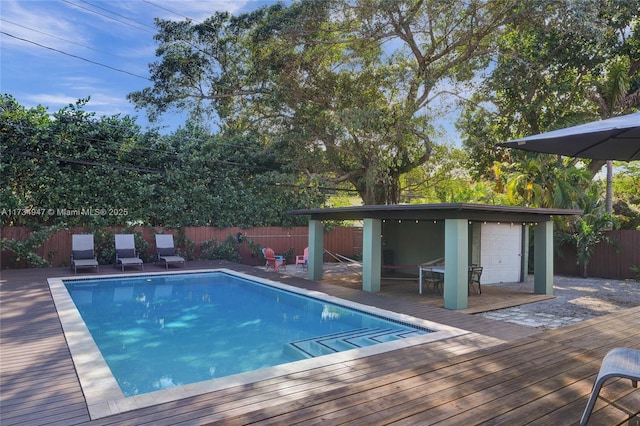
point(342, 240)
point(608, 261)
point(612, 261)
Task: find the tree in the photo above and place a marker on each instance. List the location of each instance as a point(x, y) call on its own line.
point(445, 179)
point(540, 182)
point(626, 186)
point(544, 73)
point(345, 89)
point(616, 94)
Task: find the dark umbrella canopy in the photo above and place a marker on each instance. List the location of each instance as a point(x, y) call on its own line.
point(616, 138)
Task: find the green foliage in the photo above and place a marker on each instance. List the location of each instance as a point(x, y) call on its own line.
point(227, 250)
point(338, 89)
point(588, 230)
point(290, 255)
point(626, 190)
point(546, 72)
point(255, 248)
point(184, 246)
point(543, 181)
point(74, 169)
point(104, 243)
point(636, 270)
point(25, 250)
point(142, 246)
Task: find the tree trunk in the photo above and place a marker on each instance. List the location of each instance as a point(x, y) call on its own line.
point(609, 196)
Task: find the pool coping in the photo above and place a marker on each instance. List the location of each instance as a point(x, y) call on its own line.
point(104, 397)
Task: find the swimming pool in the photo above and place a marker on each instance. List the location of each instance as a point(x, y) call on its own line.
point(142, 339)
point(165, 331)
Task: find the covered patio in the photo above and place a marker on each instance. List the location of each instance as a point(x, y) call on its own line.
point(449, 230)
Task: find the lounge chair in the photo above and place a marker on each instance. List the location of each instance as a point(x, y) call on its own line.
point(167, 251)
point(82, 253)
point(304, 259)
point(274, 261)
point(619, 362)
point(126, 251)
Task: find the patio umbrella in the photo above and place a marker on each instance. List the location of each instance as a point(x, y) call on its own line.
point(616, 138)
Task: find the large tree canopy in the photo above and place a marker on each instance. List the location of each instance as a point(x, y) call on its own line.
point(346, 89)
point(546, 74)
point(570, 63)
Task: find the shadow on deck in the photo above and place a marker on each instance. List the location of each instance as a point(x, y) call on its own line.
point(498, 374)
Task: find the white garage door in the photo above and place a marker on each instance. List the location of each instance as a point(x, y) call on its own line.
point(500, 253)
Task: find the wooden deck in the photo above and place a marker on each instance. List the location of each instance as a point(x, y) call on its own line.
point(499, 374)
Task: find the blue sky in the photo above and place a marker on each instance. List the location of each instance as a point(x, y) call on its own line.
point(45, 53)
point(54, 52)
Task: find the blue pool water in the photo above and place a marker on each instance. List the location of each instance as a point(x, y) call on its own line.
point(156, 332)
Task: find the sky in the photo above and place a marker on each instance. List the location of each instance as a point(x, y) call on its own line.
point(54, 52)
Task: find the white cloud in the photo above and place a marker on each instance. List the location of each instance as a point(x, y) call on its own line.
point(51, 100)
point(197, 10)
point(44, 23)
point(99, 49)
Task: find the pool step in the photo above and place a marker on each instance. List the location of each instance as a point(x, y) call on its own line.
point(331, 343)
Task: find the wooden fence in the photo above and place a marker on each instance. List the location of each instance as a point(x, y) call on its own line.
point(608, 261)
point(612, 261)
point(346, 241)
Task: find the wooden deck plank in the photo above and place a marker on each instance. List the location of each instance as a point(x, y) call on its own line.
point(444, 395)
point(389, 393)
point(498, 374)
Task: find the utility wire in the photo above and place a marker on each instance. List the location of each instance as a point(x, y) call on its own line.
point(75, 56)
point(108, 17)
point(154, 170)
point(117, 14)
point(85, 163)
point(170, 11)
point(58, 37)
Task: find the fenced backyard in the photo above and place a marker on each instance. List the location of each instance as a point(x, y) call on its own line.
point(614, 261)
point(190, 241)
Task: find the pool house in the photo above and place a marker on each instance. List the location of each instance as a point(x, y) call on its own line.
point(399, 238)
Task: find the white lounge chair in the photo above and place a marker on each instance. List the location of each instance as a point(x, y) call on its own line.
point(619, 362)
point(166, 250)
point(82, 252)
point(126, 251)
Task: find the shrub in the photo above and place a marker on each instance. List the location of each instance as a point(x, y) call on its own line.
point(214, 250)
point(25, 250)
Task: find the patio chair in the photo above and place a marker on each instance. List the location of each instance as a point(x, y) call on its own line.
point(274, 262)
point(475, 273)
point(82, 253)
point(167, 251)
point(432, 279)
point(126, 252)
point(619, 362)
point(304, 259)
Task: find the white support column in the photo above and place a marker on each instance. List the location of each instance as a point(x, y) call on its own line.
point(371, 255)
point(316, 250)
point(456, 267)
point(524, 263)
point(543, 258)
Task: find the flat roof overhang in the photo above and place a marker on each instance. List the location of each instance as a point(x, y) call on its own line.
point(475, 212)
